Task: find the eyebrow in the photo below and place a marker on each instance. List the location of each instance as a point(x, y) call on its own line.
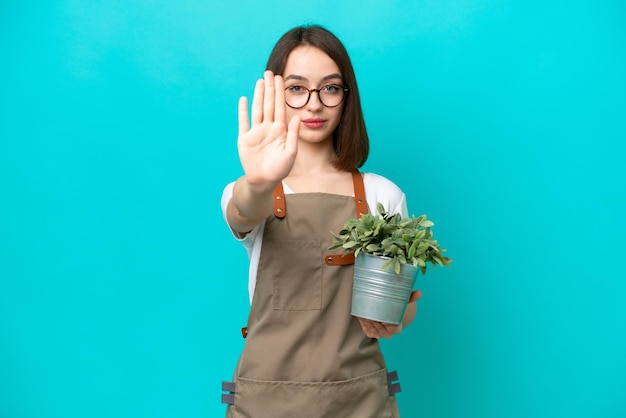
point(325, 78)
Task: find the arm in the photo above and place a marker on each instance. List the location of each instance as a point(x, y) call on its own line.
point(248, 206)
point(267, 150)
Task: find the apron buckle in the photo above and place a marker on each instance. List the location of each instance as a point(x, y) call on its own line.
point(393, 387)
point(228, 398)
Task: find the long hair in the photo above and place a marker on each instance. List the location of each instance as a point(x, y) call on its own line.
point(350, 139)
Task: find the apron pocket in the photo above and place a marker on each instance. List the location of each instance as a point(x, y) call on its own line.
point(363, 397)
point(297, 284)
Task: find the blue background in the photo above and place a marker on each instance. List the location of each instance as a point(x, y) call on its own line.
point(122, 291)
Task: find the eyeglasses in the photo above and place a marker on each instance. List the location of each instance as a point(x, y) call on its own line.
point(330, 95)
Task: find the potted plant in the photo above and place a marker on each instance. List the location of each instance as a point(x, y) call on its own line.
point(389, 251)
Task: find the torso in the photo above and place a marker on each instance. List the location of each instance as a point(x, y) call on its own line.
point(305, 354)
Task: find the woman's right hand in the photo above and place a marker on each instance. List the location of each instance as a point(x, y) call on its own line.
point(268, 147)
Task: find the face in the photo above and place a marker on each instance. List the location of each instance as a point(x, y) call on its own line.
point(310, 67)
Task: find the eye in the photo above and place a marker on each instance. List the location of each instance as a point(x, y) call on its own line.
point(332, 88)
point(296, 89)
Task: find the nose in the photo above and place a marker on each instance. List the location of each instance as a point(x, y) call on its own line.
point(314, 101)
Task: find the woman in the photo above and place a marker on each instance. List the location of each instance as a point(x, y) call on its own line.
point(305, 355)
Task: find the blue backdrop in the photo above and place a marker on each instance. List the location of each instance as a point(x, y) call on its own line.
point(122, 292)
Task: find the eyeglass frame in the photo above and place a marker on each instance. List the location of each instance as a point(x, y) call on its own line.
point(311, 91)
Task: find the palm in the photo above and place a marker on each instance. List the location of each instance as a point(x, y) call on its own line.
point(267, 148)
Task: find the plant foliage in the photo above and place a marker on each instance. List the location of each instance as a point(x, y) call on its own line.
point(403, 240)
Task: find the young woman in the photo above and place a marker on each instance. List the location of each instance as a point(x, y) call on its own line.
point(305, 355)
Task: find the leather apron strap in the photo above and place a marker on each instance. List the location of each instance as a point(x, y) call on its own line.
point(339, 259)
point(359, 194)
point(280, 209)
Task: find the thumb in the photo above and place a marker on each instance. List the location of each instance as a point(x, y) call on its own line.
point(415, 295)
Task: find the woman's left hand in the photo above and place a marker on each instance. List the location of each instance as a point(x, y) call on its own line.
point(376, 329)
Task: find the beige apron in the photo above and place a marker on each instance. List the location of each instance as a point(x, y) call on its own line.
point(305, 355)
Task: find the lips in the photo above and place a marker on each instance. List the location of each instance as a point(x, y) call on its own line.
point(314, 123)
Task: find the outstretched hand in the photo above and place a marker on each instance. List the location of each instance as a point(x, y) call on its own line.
point(375, 329)
point(267, 147)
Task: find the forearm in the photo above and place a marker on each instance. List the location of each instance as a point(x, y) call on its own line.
point(249, 205)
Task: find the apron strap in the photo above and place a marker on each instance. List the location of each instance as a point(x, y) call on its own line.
point(361, 208)
point(339, 259)
point(279, 201)
point(359, 194)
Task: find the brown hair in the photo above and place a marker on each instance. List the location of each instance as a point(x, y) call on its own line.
point(350, 138)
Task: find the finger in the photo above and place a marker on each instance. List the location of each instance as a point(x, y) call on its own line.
point(257, 103)
point(270, 96)
point(392, 329)
point(367, 328)
point(293, 130)
point(415, 296)
point(244, 121)
point(383, 330)
point(378, 330)
point(279, 102)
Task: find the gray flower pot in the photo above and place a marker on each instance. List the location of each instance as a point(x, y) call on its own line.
point(381, 295)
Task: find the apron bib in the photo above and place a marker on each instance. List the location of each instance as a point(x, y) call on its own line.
point(305, 355)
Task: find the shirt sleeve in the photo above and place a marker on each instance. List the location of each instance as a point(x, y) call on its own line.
point(248, 240)
point(379, 189)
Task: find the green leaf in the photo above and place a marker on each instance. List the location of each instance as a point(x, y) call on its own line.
point(387, 242)
point(405, 223)
point(336, 245)
point(421, 248)
point(387, 264)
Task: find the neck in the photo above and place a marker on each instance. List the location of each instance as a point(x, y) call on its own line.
point(314, 158)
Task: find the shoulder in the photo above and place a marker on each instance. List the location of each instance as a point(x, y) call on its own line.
point(377, 181)
point(379, 189)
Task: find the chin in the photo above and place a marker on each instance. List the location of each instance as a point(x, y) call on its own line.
point(314, 136)
point(316, 139)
